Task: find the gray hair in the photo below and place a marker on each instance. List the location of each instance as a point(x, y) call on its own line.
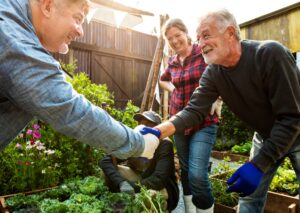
point(224, 19)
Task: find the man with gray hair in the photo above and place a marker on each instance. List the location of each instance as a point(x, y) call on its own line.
point(32, 82)
point(260, 83)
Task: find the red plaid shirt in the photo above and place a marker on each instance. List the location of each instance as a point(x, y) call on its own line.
point(186, 79)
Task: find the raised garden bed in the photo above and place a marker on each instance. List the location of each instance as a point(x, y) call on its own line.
point(276, 202)
point(3, 207)
point(224, 202)
point(279, 203)
point(219, 208)
point(89, 195)
point(220, 155)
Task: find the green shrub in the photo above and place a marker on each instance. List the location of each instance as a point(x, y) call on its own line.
point(231, 130)
point(72, 158)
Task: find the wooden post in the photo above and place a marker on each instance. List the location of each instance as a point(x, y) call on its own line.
point(156, 69)
point(148, 98)
point(165, 114)
point(166, 105)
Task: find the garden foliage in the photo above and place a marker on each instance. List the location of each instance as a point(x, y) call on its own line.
point(41, 157)
point(86, 195)
point(231, 131)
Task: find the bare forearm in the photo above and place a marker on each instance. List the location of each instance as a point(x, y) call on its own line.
point(166, 128)
point(167, 85)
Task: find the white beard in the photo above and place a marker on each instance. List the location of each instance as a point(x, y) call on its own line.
point(207, 60)
point(63, 49)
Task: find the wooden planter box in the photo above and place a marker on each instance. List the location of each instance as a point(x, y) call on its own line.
point(281, 203)
point(4, 209)
point(219, 208)
point(276, 202)
point(237, 157)
point(219, 154)
point(233, 157)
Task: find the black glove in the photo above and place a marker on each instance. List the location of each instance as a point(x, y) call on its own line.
point(126, 187)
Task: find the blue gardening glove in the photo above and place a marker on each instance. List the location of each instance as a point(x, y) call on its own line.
point(126, 187)
point(151, 139)
point(145, 130)
point(245, 180)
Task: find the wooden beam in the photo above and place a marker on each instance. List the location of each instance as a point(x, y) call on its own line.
point(121, 7)
point(90, 47)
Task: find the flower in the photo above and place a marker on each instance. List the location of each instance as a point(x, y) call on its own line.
point(40, 146)
point(29, 132)
point(35, 126)
point(19, 146)
point(36, 134)
point(49, 151)
point(32, 142)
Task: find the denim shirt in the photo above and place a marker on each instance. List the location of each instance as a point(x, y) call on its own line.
point(33, 84)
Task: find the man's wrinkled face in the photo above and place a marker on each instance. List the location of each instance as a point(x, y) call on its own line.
point(213, 43)
point(63, 25)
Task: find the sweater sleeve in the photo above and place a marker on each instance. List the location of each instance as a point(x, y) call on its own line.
point(110, 170)
point(281, 78)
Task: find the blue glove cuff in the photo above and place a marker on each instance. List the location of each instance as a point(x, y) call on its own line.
point(145, 130)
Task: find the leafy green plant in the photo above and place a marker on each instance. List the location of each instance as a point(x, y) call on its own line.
point(69, 68)
point(126, 116)
point(96, 93)
point(223, 167)
point(87, 195)
point(99, 95)
point(147, 201)
point(222, 145)
point(219, 188)
point(232, 130)
point(243, 148)
point(71, 157)
point(285, 179)
point(218, 181)
point(35, 163)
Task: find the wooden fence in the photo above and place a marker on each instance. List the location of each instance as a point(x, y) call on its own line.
point(119, 58)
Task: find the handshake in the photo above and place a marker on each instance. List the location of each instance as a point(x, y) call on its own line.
point(151, 138)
